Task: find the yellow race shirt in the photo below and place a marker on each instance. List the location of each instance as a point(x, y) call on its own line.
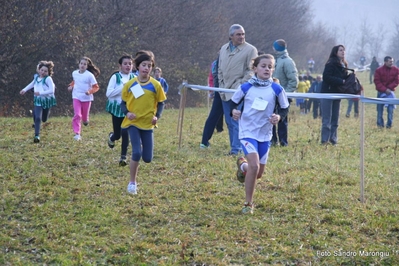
point(145, 106)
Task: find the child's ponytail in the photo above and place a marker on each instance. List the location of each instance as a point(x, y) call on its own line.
point(91, 67)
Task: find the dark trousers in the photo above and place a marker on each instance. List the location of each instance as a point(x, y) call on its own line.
point(119, 132)
point(280, 133)
point(355, 103)
point(308, 105)
point(316, 108)
point(371, 76)
point(39, 115)
point(215, 115)
point(219, 125)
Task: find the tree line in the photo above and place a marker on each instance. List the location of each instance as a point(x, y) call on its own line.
point(184, 35)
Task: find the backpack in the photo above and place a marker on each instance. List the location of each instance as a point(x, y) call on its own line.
point(352, 84)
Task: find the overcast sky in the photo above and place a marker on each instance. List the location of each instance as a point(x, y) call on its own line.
point(341, 14)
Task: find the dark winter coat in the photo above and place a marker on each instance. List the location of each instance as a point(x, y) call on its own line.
point(334, 75)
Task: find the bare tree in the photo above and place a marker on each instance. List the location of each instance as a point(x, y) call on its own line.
point(376, 41)
point(33, 31)
point(321, 42)
point(365, 34)
point(393, 49)
point(185, 36)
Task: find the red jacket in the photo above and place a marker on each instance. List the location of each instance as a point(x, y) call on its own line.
point(386, 78)
point(210, 78)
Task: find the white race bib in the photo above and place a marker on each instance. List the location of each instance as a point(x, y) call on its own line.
point(137, 90)
point(259, 104)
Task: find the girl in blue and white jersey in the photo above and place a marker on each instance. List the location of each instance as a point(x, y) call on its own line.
point(265, 103)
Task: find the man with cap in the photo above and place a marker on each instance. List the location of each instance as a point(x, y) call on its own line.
point(287, 73)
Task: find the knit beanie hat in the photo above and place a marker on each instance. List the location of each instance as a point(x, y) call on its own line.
point(279, 45)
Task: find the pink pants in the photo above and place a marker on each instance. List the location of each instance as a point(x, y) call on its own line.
point(81, 110)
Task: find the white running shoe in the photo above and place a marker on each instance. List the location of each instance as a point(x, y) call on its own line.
point(132, 188)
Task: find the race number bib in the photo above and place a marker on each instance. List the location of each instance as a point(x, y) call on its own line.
point(137, 90)
point(259, 104)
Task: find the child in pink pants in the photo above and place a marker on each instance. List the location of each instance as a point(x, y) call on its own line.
point(83, 86)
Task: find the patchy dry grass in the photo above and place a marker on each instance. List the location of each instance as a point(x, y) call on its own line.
point(65, 202)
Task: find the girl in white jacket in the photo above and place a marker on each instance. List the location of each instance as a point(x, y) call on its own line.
point(44, 98)
point(114, 92)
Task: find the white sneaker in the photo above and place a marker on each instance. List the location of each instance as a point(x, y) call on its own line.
point(77, 137)
point(132, 188)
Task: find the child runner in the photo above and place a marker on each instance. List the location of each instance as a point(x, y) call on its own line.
point(44, 98)
point(261, 96)
point(158, 76)
point(142, 103)
point(114, 91)
point(83, 86)
point(139, 52)
point(33, 111)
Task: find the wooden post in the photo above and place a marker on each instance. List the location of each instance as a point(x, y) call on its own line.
point(181, 89)
point(183, 98)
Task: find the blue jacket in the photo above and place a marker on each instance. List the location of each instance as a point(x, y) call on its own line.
point(164, 84)
point(316, 87)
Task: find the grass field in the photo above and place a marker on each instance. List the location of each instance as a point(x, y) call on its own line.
point(65, 202)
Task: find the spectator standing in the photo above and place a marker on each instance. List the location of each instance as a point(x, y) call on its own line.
point(308, 102)
point(235, 68)
point(362, 60)
point(215, 116)
point(308, 77)
point(316, 88)
point(213, 81)
point(334, 75)
point(355, 103)
point(287, 73)
point(303, 87)
point(373, 67)
point(311, 65)
point(386, 79)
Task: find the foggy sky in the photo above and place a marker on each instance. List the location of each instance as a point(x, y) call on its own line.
point(348, 14)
